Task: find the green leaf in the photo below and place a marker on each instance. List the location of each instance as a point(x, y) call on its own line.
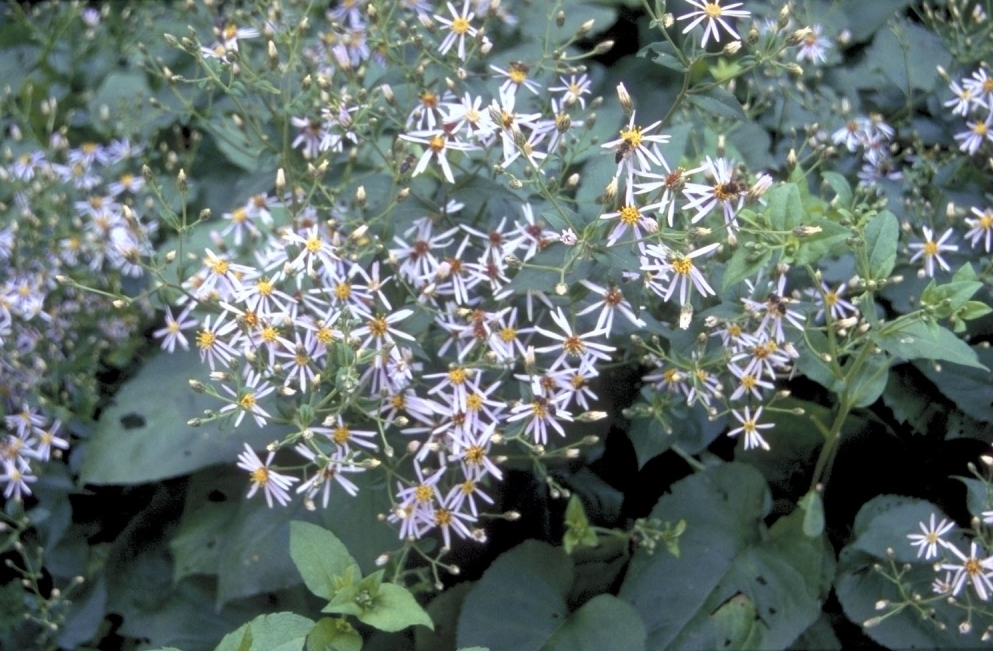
point(917, 340)
point(785, 209)
point(882, 234)
point(971, 389)
point(444, 611)
point(394, 609)
point(664, 54)
point(578, 532)
point(322, 559)
point(979, 496)
point(333, 634)
point(869, 381)
point(719, 102)
point(864, 18)
point(725, 552)
point(840, 186)
point(276, 632)
point(195, 546)
point(813, 514)
point(744, 264)
point(526, 586)
point(254, 555)
point(143, 435)
point(233, 143)
point(603, 622)
point(814, 247)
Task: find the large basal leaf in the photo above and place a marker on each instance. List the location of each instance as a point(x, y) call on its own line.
point(728, 565)
point(603, 622)
point(519, 601)
point(144, 436)
point(520, 604)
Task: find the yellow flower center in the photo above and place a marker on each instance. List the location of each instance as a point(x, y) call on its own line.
point(247, 401)
point(424, 493)
point(930, 249)
point(713, 10)
point(629, 215)
point(460, 25)
point(341, 434)
point(632, 137)
point(682, 266)
point(457, 375)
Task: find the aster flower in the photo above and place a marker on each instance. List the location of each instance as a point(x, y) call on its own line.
point(928, 541)
point(979, 131)
point(931, 250)
point(981, 85)
point(439, 142)
point(724, 190)
point(715, 15)
point(685, 274)
point(972, 569)
point(573, 89)
point(611, 301)
point(459, 25)
point(172, 333)
point(750, 427)
point(813, 47)
point(246, 400)
point(515, 76)
point(980, 228)
point(572, 344)
point(632, 149)
point(273, 484)
point(965, 99)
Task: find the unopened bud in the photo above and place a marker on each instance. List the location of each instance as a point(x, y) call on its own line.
point(573, 180)
point(181, 180)
point(806, 231)
point(603, 47)
point(799, 36)
point(561, 289)
point(732, 48)
point(360, 195)
point(280, 181)
point(624, 98)
point(560, 18)
point(610, 192)
point(584, 28)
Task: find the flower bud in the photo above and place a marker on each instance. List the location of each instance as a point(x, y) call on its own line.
point(625, 99)
point(603, 47)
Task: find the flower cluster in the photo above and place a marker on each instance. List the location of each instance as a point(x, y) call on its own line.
point(73, 207)
point(974, 568)
point(871, 137)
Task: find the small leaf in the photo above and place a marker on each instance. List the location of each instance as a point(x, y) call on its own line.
point(719, 102)
point(882, 235)
point(664, 54)
point(839, 184)
point(813, 514)
point(743, 264)
point(784, 207)
point(333, 634)
point(394, 609)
